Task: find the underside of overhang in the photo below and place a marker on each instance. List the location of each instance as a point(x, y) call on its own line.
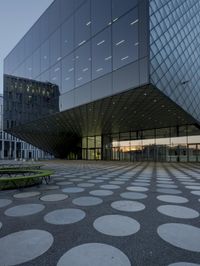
point(137, 109)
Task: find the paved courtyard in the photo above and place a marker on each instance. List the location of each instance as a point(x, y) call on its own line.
point(104, 214)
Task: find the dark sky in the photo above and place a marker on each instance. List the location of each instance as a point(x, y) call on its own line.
point(16, 17)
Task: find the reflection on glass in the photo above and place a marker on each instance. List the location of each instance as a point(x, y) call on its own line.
point(125, 39)
point(68, 73)
point(55, 52)
point(28, 100)
point(82, 65)
point(55, 74)
point(45, 54)
point(101, 54)
point(101, 14)
point(120, 7)
point(67, 36)
point(82, 24)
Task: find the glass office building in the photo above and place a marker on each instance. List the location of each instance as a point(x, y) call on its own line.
point(109, 79)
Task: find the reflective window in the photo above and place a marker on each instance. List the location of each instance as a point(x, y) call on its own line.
point(120, 7)
point(101, 54)
point(67, 36)
point(82, 24)
point(55, 55)
point(101, 14)
point(36, 63)
point(67, 8)
point(45, 56)
point(125, 40)
point(45, 77)
point(83, 65)
point(68, 73)
point(44, 26)
point(54, 16)
point(28, 68)
point(55, 74)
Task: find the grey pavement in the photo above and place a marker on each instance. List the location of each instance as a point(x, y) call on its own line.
point(104, 214)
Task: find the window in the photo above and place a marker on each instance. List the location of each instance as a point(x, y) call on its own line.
point(82, 24)
point(101, 54)
point(68, 73)
point(55, 47)
point(125, 40)
point(45, 56)
point(101, 14)
point(120, 7)
point(55, 74)
point(83, 65)
point(36, 63)
point(67, 37)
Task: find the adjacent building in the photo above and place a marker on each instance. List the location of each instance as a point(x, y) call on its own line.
point(14, 148)
point(109, 79)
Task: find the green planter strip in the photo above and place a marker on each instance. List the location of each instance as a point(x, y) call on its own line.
point(36, 177)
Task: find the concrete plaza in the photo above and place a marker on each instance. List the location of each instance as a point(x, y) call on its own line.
point(104, 214)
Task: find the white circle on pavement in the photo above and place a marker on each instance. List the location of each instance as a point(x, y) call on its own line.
point(139, 189)
point(172, 199)
point(167, 186)
point(116, 225)
point(23, 246)
point(64, 183)
point(5, 202)
point(116, 182)
point(110, 186)
point(181, 235)
point(73, 190)
point(193, 187)
point(138, 184)
point(169, 190)
point(87, 201)
point(94, 254)
point(133, 195)
point(54, 197)
point(24, 210)
point(64, 216)
point(85, 185)
point(178, 211)
point(26, 194)
point(184, 264)
point(101, 192)
point(196, 193)
point(127, 205)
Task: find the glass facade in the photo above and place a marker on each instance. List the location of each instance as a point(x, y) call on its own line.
point(120, 75)
point(163, 145)
point(174, 53)
point(89, 36)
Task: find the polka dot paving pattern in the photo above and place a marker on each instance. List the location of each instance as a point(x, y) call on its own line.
point(104, 214)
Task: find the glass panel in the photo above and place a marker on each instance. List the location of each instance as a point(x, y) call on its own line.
point(45, 56)
point(101, 14)
point(98, 141)
point(55, 54)
point(83, 65)
point(54, 16)
point(125, 40)
point(67, 8)
point(84, 142)
point(119, 7)
point(82, 24)
point(68, 73)
point(36, 63)
point(55, 74)
point(192, 153)
point(101, 54)
point(91, 142)
point(67, 36)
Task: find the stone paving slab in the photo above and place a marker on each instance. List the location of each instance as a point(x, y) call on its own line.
point(104, 214)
